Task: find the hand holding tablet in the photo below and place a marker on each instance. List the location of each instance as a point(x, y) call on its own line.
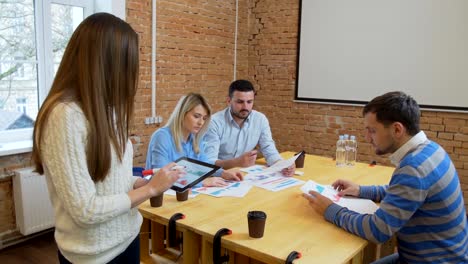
point(147, 174)
point(163, 179)
point(195, 172)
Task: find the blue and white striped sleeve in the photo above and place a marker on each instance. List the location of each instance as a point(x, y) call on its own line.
point(399, 202)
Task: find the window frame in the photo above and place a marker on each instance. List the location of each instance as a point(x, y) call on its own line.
point(44, 40)
point(20, 140)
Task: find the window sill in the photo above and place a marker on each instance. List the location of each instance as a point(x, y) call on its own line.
point(16, 147)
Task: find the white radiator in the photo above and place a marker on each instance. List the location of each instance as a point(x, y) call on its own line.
point(34, 211)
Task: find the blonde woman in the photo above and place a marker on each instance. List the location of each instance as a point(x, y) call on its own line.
point(183, 137)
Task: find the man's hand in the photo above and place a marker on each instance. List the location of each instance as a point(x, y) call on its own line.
point(289, 171)
point(345, 187)
point(247, 159)
point(233, 175)
point(318, 202)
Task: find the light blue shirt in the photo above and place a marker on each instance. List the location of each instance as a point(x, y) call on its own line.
point(226, 140)
point(162, 150)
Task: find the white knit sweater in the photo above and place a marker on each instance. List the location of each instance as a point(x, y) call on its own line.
point(93, 221)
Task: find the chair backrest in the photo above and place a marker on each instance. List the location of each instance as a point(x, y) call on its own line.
point(138, 171)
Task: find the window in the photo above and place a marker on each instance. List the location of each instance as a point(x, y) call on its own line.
point(33, 37)
point(21, 105)
point(19, 73)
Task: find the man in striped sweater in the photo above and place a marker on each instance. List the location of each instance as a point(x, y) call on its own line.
point(423, 203)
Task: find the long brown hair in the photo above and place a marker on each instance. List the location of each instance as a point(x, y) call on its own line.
point(99, 71)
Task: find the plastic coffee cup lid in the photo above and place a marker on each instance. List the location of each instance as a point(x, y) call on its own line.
point(257, 214)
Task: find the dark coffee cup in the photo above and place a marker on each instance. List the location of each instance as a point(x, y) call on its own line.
point(300, 160)
point(182, 196)
point(157, 201)
point(256, 220)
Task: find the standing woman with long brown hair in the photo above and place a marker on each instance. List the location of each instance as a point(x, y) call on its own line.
point(81, 144)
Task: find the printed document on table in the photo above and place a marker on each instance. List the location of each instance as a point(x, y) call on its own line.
point(235, 189)
point(363, 206)
point(274, 183)
point(256, 169)
point(277, 167)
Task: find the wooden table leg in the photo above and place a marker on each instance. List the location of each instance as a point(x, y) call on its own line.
point(207, 252)
point(158, 233)
point(387, 248)
point(370, 253)
point(144, 240)
point(238, 258)
point(357, 259)
point(191, 247)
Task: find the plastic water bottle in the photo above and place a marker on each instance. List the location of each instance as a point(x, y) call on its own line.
point(346, 144)
point(340, 152)
point(351, 151)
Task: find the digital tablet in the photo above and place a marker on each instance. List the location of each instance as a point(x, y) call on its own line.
point(195, 172)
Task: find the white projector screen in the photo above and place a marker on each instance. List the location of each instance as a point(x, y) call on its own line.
point(351, 51)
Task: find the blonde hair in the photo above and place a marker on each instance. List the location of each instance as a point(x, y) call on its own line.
point(99, 71)
point(176, 120)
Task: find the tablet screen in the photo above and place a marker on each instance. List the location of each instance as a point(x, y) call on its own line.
point(195, 172)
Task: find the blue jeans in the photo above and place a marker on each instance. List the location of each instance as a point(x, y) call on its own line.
point(390, 259)
point(131, 255)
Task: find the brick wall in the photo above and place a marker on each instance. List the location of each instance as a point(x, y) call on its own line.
point(315, 127)
point(195, 53)
point(195, 41)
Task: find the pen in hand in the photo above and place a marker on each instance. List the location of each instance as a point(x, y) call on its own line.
point(150, 172)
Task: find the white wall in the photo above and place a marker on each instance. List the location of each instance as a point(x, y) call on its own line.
point(116, 7)
point(356, 50)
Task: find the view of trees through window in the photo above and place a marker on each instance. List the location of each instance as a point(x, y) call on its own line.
point(31, 43)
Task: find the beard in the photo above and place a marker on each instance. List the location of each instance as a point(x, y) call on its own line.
point(242, 114)
point(388, 150)
point(381, 152)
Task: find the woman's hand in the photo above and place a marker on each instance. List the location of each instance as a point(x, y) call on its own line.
point(140, 182)
point(214, 182)
point(164, 179)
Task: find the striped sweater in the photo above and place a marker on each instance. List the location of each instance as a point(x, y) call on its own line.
point(422, 205)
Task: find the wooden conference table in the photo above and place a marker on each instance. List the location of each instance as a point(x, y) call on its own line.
point(291, 223)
